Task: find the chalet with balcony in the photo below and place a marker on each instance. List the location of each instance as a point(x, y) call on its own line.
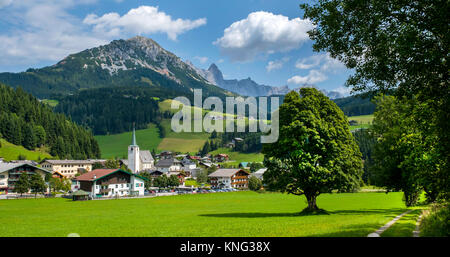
point(10, 173)
point(229, 178)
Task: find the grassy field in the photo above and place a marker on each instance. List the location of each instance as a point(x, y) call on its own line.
point(117, 145)
point(364, 121)
point(50, 102)
point(10, 152)
point(237, 157)
point(218, 214)
point(191, 182)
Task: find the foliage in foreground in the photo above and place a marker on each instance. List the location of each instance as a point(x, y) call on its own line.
point(436, 224)
point(406, 155)
point(397, 47)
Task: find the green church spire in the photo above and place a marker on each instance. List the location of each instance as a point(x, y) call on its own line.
point(133, 143)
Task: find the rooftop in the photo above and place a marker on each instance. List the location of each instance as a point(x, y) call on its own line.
point(224, 172)
point(71, 161)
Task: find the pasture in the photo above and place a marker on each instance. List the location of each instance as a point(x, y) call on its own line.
point(236, 214)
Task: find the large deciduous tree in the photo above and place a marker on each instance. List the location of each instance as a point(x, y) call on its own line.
point(315, 152)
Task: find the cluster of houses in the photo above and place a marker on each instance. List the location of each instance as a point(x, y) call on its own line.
point(119, 182)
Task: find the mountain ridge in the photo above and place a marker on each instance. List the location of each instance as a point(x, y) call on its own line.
point(137, 61)
point(248, 87)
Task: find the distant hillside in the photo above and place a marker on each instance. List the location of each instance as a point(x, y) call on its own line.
point(137, 61)
point(113, 110)
point(24, 121)
point(355, 105)
point(10, 152)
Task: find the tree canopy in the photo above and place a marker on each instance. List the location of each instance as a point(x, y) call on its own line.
point(315, 152)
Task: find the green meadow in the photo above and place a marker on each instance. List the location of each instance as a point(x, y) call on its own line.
point(238, 157)
point(364, 121)
point(117, 145)
point(245, 214)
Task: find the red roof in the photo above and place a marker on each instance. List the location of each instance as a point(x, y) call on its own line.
point(98, 173)
point(222, 155)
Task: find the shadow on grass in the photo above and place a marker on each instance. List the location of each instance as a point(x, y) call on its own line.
point(357, 230)
point(390, 212)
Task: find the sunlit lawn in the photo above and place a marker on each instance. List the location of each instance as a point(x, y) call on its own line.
point(215, 214)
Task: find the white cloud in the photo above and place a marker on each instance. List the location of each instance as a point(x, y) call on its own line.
point(276, 64)
point(144, 19)
point(43, 31)
point(319, 66)
point(263, 33)
point(325, 61)
point(201, 59)
point(4, 3)
point(345, 91)
point(314, 76)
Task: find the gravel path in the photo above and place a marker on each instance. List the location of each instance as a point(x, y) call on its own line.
point(390, 223)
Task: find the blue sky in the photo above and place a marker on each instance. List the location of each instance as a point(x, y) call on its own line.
point(262, 39)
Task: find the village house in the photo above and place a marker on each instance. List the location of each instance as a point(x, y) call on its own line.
point(166, 165)
point(221, 157)
point(166, 155)
point(111, 182)
point(229, 178)
point(205, 164)
point(188, 164)
point(244, 165)
point(156, 173)
point(180, 175)
point(194, 157)
point(56, 174)
point(259, 173)
point(68, 168)
point(10, 173)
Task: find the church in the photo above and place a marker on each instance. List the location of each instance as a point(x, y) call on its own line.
point(138, 160)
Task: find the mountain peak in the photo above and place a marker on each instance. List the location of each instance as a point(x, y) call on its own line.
point(144, 42)
point(216, 73)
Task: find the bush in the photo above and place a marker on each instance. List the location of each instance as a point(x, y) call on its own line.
point(254, 183)
point(436, 224)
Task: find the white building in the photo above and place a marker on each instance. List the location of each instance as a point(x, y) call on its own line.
point(68, 168)
point(167, 165)
point(138, 160)
point(111, 182)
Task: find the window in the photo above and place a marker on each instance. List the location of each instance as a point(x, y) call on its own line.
point(2, 176)
point(117, 186)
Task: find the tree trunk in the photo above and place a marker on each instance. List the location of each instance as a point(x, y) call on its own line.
point(311, 198)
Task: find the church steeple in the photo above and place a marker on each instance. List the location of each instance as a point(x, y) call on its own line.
point(134, 160)
point(133, 143)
